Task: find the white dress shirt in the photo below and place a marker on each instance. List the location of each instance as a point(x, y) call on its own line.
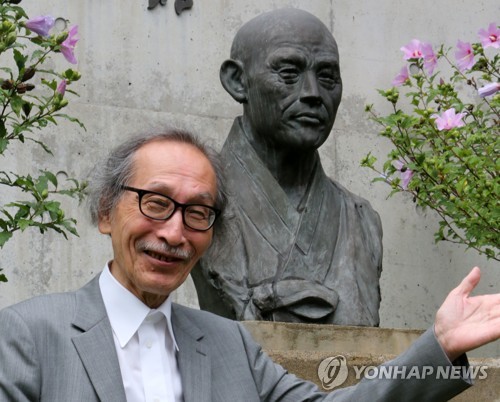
point(144, 342)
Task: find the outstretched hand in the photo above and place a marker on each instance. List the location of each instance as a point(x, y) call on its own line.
point(465, 322)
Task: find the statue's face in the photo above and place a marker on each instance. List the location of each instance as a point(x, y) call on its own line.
point(294, 87)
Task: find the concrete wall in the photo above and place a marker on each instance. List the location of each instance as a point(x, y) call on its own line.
point(144, 69)
point(301, 348)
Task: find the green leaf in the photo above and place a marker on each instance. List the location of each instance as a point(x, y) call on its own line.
point(7, 70)
point(3, 145)
point(4, 237)
point(69, 226)
point(42, 122)
point(41, 184)
point(37, 54)
point(24, 223)
point(20, 11)
point(53, 206)
point(368, 161)
point(71, 119)
point(3, 278)
point(16, 102)
point(22, 212)
point(3, 130)
point(11, 218)
point(51, 177)
point(20, 59)
point(43, 145)
point(51, 84)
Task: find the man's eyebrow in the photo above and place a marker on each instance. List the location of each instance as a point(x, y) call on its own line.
point(328, 63)
point(327, 59)
point(165, 189)
point(286, 55)
point(204, 197)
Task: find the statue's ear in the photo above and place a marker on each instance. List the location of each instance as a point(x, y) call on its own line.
point(232, 78)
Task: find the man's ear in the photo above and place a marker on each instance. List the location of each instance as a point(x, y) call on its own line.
point(104, 224)
point(232, 78)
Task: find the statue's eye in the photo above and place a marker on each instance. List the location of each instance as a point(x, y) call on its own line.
point(328, 77)
point(289, 74)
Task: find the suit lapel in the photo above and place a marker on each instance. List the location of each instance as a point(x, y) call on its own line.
point(95, 344)
point(193, 358)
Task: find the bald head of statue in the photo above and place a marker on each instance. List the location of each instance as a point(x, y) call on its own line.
point(284, 69)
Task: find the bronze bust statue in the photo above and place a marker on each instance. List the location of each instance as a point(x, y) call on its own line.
point(296, 246)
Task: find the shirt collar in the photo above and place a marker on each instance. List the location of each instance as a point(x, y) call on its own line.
point(125, 311)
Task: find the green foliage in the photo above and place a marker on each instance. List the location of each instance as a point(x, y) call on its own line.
point(453, 170)
point(32, 98)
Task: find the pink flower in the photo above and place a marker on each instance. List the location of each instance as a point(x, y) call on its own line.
point(406, 174)
point(464, 56)
point(420, 50)
point(489, 89)
point(412, 50)
point(41, 24)
point(401, 78)
point(449, 119)
point(490, 37)
point(61, 88)
point(430, 59)
point(68, 46)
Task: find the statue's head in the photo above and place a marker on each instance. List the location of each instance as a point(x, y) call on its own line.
point(284, 69)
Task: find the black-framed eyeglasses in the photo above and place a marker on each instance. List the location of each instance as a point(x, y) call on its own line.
point(161, 207)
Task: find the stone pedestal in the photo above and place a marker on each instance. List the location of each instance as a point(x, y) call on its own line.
point(300, 348)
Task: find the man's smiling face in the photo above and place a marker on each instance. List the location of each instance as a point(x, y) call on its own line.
point(153, 258)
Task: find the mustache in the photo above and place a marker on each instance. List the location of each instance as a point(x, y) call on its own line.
point(164, 248)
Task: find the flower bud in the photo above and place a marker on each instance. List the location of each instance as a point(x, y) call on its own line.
point(427, 112)
point(6, 26)
point(61, 88)
point(61, 37)
point(7, 84)
point(393, 97)
point(62, 103)
point(72, 75)
point(387, 132)
point(22, 88)
point(10, 39)
point(28, 74)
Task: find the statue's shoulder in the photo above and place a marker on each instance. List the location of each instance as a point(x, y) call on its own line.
point(350, 197)
point(360, 205)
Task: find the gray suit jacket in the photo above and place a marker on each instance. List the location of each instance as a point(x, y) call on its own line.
point(60, 348)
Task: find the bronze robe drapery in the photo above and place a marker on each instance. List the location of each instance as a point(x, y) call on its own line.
point(320, 262)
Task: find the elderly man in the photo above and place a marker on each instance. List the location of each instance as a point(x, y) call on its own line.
point(300, 246)
point(120, 338)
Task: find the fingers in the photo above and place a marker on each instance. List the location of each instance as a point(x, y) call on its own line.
point(469, 282)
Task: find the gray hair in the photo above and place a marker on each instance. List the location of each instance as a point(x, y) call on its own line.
point(117, 169)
